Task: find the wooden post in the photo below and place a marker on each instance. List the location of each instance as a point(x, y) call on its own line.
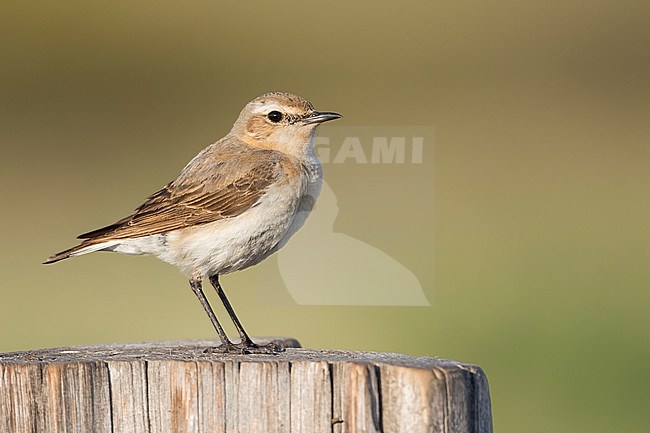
point(177, 387)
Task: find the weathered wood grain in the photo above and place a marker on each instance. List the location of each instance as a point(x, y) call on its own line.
point(181, 387)
point(356, 398)
point(128, 386)
point(311, 397)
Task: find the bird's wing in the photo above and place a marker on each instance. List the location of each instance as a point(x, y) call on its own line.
point(198, 197)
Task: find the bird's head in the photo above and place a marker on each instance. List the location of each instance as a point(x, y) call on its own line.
point(280, 121)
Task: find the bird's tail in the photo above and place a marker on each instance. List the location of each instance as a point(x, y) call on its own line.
point(83, 248)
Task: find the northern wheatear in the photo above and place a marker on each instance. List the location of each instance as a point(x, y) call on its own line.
point(237, 202)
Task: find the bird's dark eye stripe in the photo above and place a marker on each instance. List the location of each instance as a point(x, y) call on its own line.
point(295, 118)
point(274, 116)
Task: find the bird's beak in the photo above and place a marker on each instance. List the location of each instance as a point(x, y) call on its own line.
point(320, 117)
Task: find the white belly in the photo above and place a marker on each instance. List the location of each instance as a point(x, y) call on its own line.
point(226, 245)
point(236, 243)
point(305, 207)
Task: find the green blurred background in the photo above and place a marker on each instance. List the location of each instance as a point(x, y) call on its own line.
point(542, 157)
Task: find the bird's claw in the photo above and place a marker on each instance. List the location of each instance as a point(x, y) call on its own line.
point(246, 348)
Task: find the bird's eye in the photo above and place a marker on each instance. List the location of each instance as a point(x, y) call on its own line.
point(274, 116)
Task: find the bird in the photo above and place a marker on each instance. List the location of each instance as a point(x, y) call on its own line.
point(233, 205)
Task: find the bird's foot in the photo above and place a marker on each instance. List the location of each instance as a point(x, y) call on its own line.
point(246, 348)
point(262, 349)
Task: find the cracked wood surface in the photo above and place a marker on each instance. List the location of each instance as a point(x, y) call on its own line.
point(178, 387)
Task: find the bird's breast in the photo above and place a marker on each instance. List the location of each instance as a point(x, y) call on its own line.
point(236, 243)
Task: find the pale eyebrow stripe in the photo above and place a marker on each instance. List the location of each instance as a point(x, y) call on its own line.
point(268, 108)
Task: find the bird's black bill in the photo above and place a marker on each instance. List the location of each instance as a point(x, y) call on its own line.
point(320, 117)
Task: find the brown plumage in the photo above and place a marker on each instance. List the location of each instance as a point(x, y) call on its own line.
point(203, 193)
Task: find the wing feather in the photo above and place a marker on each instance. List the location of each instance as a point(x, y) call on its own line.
point(189, 201)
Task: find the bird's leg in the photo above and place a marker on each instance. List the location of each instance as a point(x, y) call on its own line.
point(195, 283)
point(246, 344)
point(245, 339)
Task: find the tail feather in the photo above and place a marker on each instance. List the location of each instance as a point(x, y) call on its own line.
point(83, 248)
